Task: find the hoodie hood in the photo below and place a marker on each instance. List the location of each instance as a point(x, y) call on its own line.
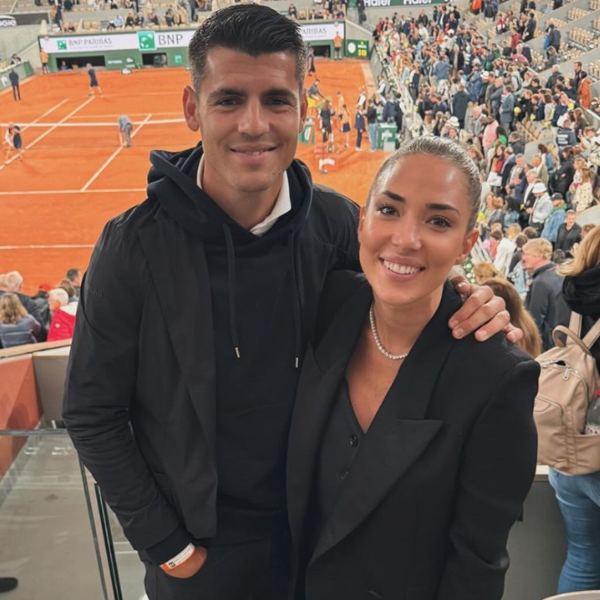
point(172, 183)
point(582, 293)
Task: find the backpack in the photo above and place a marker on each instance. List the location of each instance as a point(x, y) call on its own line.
point(567, 384)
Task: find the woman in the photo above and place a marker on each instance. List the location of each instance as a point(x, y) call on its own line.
point(584, 194)
point(579, 495)
point(17, 326)
point(410, 454)
point(506, 248)
point(519, 316)
point(345, 122)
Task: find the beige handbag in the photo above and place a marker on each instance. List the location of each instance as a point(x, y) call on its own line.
point(568, 383)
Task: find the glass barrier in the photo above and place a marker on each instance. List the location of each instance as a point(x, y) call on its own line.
point(50, 539)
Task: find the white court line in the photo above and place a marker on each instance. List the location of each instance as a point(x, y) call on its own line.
point(113, 156)
point(45, 114)
point(62, 192)
point(41, 137)
point(99, 124)
point(25, 127)
point(52, 247)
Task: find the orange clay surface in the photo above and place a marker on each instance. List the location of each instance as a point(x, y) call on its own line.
point(55, 202)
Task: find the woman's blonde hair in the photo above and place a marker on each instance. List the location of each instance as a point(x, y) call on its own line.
point(485, 270)
point(519, 316)
point(586, 257)
point(11, 309)
point(513, 231)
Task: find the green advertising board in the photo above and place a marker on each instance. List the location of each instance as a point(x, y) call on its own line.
point(386, 3)
point(386, 136)
point(357, 48)
point(307, 135)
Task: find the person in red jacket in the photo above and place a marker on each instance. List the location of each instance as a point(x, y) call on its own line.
point(63, 315)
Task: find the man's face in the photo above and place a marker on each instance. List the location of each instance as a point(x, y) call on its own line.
point(570, 219)
point(532, 260)
point(249, 111)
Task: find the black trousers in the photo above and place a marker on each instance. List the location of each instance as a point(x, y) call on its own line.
point(256, 570)
point(16, 92)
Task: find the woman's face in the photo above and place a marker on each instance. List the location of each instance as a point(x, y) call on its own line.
point(414, 230)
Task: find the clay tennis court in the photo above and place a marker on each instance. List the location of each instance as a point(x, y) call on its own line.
point(75, 176)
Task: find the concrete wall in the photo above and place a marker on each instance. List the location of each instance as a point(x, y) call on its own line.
point(14, 39)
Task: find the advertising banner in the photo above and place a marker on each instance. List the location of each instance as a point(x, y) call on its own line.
point(322, 32)
point(357, 48)
point(148, 41)
point(386, 3)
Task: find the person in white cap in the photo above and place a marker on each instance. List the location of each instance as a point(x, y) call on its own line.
point(542, 207)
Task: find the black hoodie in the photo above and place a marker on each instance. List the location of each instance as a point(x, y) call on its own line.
point(264, 307)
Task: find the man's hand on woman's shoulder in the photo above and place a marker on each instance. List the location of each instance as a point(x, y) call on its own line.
point(482, 312)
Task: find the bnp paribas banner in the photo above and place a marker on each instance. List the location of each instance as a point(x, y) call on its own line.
point(384, 3)
point(157, 40)
point(142, 40)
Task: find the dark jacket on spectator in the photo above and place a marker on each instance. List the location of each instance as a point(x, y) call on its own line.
point(541, 301)
point(459, 105)
point(565, 238)
point(32, 308)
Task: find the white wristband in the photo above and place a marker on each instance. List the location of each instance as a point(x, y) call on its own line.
point(182, 557)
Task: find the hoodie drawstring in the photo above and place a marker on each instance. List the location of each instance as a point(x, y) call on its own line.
point(295, 300)
point(295, 295)
point(232, 290)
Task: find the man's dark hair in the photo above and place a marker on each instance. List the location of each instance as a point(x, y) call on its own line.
point(248, 28)
point(73, 274)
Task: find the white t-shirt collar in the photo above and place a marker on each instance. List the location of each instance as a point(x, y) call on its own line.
point(283, 204)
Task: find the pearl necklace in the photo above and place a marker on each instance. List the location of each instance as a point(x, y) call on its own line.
point(378, 343)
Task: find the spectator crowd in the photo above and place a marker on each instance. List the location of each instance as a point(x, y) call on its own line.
point(49, 315)
point(487, 98)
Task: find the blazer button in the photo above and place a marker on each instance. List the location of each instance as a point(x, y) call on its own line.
point(353, 441)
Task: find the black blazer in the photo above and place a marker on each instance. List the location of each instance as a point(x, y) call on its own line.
point(441, 475)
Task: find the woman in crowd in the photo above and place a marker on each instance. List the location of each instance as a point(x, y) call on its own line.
point(506, 248)
point(579, 495)
point(584, 196)
point(17, 326)
point(410, 453)
point(519, 316)
point(483, 271)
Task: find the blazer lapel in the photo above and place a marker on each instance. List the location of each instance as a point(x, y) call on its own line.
point(400, 432)
point(322, 373)
point(178, 265)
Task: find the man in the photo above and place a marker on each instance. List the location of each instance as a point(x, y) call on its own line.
point(554, 77)
point(507, 107)
point(565, 136)
point(569, 234)
point(459, 104)
point(337, 46)
point(496, 96)
point(539, 168)
point(195, 314)
point(94, 85)
point(74, 276)
point(541, 209)
point(577, 69)
point(13, 76)
point(553, 38)
point(125, 127)
point(545, 288)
